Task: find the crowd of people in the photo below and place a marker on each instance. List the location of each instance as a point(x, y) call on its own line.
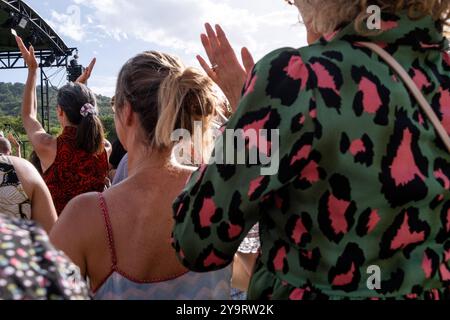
point(363, 179)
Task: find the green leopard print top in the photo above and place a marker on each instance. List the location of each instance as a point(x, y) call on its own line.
point(363, 179)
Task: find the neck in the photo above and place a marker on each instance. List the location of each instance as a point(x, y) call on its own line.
point(142, 159)
point(64, 121)
point(65, 125)
point(313, 37)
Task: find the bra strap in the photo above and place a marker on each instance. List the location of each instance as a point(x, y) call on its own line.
point(109, 230)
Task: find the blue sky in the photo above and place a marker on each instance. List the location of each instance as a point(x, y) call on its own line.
point(115, 30)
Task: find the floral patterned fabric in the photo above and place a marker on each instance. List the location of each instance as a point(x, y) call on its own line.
point(363, 181)
point(31, 269)
point(74, 171)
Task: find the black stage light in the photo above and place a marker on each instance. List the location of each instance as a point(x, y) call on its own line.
point(75, 70)
point(12, 22)
point(73, 73)
point(15, 20)
point(49, 61)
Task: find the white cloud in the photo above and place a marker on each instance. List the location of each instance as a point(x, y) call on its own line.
point(261, 25)
point(69, 23)
point(104, 85)
point(175, 25)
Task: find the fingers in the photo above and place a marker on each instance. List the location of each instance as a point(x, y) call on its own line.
point(23, 49)
point(214, 42)
point(247, 60)
point(207, 68)
point(20, 42)
point(87, 72)
point(27, 54)
point(217, 45)
point(92, 65)
point(212, 36)
point(32, 61)
point(223, 40)
point(226, 50)
point(207, 46)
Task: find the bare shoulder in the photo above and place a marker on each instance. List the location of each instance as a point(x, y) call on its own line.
point(76, 231)
point(22, 164)
point(80, 218)
point(27, 173)
point(84, 207)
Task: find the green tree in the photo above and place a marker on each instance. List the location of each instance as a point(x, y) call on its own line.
point(10, 121)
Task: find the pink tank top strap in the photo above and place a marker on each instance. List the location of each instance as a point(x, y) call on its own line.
point(109, 231)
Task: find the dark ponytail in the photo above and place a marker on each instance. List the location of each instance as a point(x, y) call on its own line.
point(90, 135)
point(90, 132)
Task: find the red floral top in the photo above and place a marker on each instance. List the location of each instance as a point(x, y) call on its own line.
point(74, 171)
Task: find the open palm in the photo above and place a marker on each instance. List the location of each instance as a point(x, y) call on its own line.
point(87, 73)
point(28, 55)
point(226, 70)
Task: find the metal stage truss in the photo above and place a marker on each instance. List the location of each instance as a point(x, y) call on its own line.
point(51, 50)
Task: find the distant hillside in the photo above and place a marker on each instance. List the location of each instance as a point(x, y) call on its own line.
point(11, 100)
point(10, 104)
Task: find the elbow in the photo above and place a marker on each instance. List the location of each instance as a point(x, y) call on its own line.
point(186, 257)
point(28, 119)
point(197, 252)
point(199, 259)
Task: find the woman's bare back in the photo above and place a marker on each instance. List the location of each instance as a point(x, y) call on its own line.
point(140, 210)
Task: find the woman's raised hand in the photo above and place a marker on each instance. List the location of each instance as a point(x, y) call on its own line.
point(225, 69)
point(27, 54)
point(13, 140)
point(15, 144)
point(83, 79)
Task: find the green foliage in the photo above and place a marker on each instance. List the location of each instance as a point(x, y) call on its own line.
point(110, 128)
point(10, 98)
point(11, 101)
point(10, 106)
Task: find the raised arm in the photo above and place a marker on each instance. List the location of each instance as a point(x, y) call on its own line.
point(222, 202)
point(43, 143)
